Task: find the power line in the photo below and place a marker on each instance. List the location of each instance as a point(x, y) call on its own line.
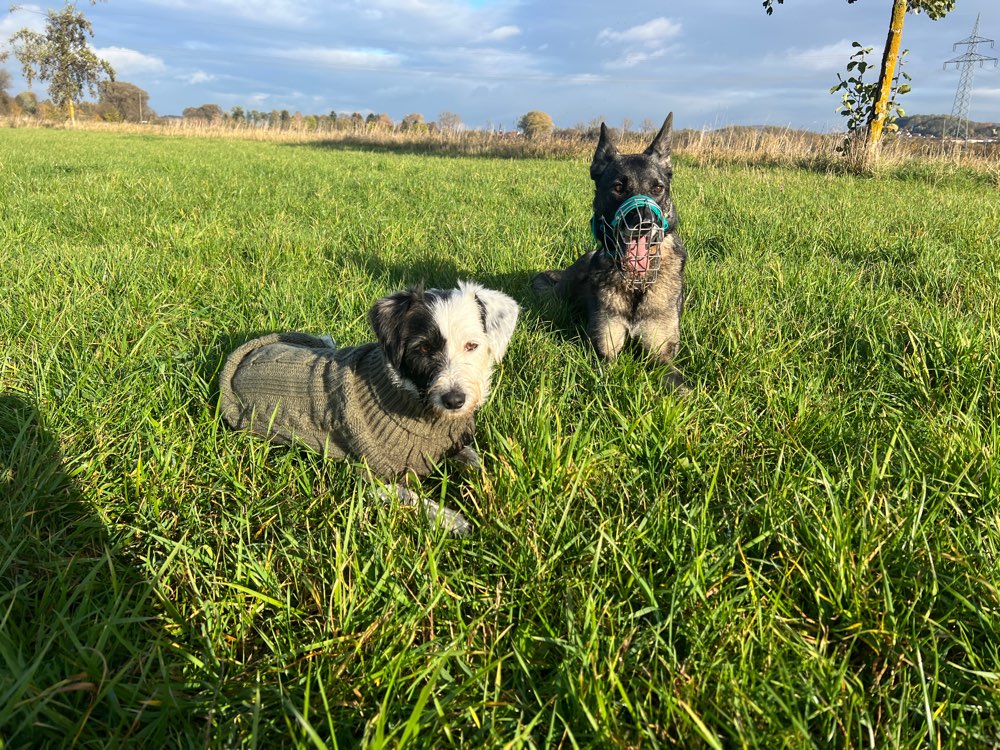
point(957, 126)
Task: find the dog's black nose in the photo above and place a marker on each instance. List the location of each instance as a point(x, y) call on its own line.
point(453, 400)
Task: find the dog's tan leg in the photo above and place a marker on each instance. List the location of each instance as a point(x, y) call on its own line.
point(660, 338)
point(662, 341)
point(608, 334)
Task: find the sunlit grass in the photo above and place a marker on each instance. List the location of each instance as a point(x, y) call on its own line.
point(801, 552)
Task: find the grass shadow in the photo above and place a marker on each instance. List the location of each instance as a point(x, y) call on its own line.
point(559, 318)
point(439, 272)
point(503, 147)
point(78, 631)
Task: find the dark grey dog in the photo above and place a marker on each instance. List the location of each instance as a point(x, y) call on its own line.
point(632, 284)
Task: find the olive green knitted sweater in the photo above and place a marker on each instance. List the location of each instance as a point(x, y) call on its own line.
point(343, 403)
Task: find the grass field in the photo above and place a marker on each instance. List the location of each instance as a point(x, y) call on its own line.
point(802, 552)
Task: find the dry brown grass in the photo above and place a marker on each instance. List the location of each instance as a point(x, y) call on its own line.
point(742, 145)
point(797, 148)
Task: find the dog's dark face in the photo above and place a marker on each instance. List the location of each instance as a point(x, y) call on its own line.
point(443, 343)
point(413, 343)
point(617, 177)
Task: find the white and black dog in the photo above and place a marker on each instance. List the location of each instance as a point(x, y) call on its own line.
point(443, 343)
point(400, 405)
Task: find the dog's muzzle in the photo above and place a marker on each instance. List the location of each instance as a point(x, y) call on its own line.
point(634, 239)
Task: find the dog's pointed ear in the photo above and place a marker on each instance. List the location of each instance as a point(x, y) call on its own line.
point(603, 156)
point(659, 149)
point(386, 318)
point(499, 317)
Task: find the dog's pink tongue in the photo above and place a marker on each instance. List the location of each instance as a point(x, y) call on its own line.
point(637, 255)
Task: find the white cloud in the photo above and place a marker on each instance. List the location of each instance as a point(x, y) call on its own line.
point(633, 59)
point(502, 32)
point(656, 30)
point(278, 12)
point(439, 21)
point(341, 58)
point(26, 16)
point(129, 61)
point(585, 79)
point(199, 46)
point(989, 93)
point(642, 43)
point(817, 59)
point(486, 62)
point(199, 76)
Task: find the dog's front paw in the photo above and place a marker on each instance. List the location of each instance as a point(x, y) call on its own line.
point(545, 282)
point(452, 521)
point(398, 492)
point(468, 458)
point(673, 382)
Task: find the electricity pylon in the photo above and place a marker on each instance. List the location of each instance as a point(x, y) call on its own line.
point(957, 126)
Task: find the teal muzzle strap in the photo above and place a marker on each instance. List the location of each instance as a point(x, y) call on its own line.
point(634, 203)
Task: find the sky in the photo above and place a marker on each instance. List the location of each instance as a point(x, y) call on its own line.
point(712, 62)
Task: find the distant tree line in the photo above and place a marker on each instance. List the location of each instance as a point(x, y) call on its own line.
point(117, 101)
point(282, 119)
point(120, 101)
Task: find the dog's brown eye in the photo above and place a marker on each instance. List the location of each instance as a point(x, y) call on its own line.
point(618, 188)
point(471, 346)
point(656, 190)
point(424, 349)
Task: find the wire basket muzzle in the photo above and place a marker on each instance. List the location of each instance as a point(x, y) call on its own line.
point(634, 240)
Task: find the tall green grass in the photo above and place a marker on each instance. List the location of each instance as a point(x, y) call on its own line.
point(802, 552)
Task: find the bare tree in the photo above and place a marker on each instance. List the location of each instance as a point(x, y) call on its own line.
point(449, 122)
